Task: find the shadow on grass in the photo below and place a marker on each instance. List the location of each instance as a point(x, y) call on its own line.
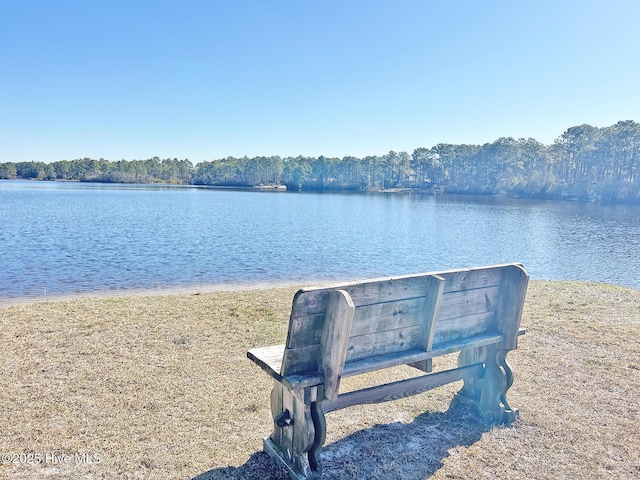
point(396, 450)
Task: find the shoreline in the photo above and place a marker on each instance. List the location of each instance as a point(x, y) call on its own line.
point(147, 292)
point(224, 287)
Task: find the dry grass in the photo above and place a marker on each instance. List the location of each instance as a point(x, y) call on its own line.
point(160, 387)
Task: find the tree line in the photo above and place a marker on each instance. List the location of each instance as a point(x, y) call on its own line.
point(585, 163)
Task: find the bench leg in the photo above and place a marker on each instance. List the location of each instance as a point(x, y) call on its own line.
point(490, 392)
point(293, 443)
point(472, 388)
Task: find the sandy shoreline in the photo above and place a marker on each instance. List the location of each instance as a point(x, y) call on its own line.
point(152, 292)
point(194, 290)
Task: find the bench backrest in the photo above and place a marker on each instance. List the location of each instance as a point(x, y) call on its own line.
point(361, 320)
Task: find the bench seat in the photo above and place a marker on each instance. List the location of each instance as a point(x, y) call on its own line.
point(270, 359)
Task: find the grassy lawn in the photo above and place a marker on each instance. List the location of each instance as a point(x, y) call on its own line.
point(160, 387)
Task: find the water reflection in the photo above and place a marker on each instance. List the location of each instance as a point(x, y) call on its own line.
point(68, 237)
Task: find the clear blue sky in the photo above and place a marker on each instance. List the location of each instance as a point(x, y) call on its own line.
point(205, 79)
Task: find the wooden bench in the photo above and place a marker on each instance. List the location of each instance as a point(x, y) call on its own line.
point(353, 328)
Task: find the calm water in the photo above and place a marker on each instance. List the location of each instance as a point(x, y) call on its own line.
point(70, 238)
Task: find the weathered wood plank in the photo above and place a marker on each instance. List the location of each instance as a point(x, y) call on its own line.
point(468, 302)
point(431, 311)
point(493, 386)
point(510, 303)
point(429, 315)
point(312, 301)
point(286, 438)
point(303, 432)
point(308, 376)
point(276, 409)
point(335, 339)
point(410, 357)
point(407, 357)
point(377, 317)
point(301, 360)
point(271, 448)
point(403, 388)
point(381, 343)
point(382, 317)
point(371, 364)
point(379, 362)
point(305, 330)
point(469, 279)
point(304, 380)
point(268, 358)
point(467, 326)
point(472, 387)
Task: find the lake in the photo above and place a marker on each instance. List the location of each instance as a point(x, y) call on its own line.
point(60, 239)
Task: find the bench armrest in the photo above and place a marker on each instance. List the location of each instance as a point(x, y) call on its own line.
point(268, 358)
